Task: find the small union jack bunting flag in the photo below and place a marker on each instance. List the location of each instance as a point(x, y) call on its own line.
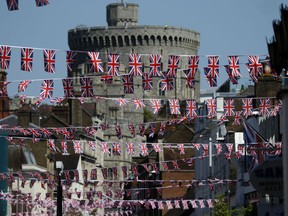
point(49, 60)
point(77, 147)
point(135, 65)
point(155, 65)
point(137, 103)
point(70, 60)
point(12, 5)
point(254, 67)
point(47, 89)
point(41, 3)
point(23, 85)
point(95, 62)
point(5, 56)
point(128, 84)
point(173, 62)
point(113, 64)
point(167, 82)
point(174, 106)
point(26, 59)
point(155, 105)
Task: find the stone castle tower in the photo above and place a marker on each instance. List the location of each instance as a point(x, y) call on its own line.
point(123, 36)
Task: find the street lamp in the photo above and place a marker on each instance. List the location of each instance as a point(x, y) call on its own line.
point(59, 170)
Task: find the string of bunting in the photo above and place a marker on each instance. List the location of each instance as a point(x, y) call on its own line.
point(13, 5)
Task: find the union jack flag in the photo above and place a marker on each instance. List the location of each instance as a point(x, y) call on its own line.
point(174, 106)
point(41, 3)
point(93, 174)
point(213, 66)
point(68, 88)
point(70, 60)
point(23, 85)
point(26, 59)
point(113, 64)
point(219, 148)
point(212, 81)
point(193, 62)
point(64, 147)
point(121, 102)
point(247, 107)
point(57, 100)
point(237, 118)
point(254, 67)
point(141, 129)
point(132, 129)
point(264, 107)
point(45, 132)
point(86, 87)
point(135, 65)
point(191, 108)
point(143, 149)
point(234, 67)
point(181, 149)
point(49, 60)
point(229, 107)
point(167, 82)
point(175, 165)
point(95, 62)
point(232, 78)
point(155, 105)
point(191, 82)
point(5, 56)
point(156, 147)
point(77, 147)
point(152, 128)
point(107, 79)
point(104, 148)
point(118, 131)
point(137, 103)
point(130, 148)
point(147, 81)
point(51, 145)
point(12, 5)
point(116, 149)
point(173, 62)
point(155, 65)
point(46, 89)
point(128, 84)
point(223, 119)
point(211, 107)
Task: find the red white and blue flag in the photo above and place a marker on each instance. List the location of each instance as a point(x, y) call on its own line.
point(47, 89)
point(191, 108)
point(118, 131)
point(128, 84)
point(143, 149)
point(155, 105)
point(247, 107)
point(211, 107)
point(132, 129)
point(229, 107)
point(92, 145)
point(86, 87)
point(174, 106)
point(41, 3)
point(5, 57)
point(147, 82)
point(107, 79)
point(181, 149)
point(57, 100)
point(152, 128)
point(116, 149)
point(68, 88)
point(264, 107)
point(234, 67)
point(70, 60)
point(49, 60)
point(95, 62)
point(104, 148)
point(156, 147)
point(212, 81)
point(232, 78)
point(137, 103)
point(167, 82)
point(193, 62)
point(191, 81)
point(113, 64)
point(23, 85)
point(77, 147)
point(135, 65)
point(213, 67)
point(26, 59)
point(237, 117)
point(173, 62)
point(130, 148)
point(64, 147)
point(121, 102)
point(155, 65)
point(51, 145)
point(254, 67)
point(12, 5)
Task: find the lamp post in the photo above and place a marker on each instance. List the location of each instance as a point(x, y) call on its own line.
point(59, 170)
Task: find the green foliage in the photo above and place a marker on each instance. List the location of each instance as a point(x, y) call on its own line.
point(221, 208)
point(148, 115)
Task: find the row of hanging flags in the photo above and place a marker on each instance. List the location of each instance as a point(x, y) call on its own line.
point(254, 67)
point(92, 204)
point(13, 5)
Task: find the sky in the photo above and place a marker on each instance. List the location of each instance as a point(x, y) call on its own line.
point(226, 27)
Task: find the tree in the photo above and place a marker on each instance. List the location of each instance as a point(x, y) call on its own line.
point(221, 208)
